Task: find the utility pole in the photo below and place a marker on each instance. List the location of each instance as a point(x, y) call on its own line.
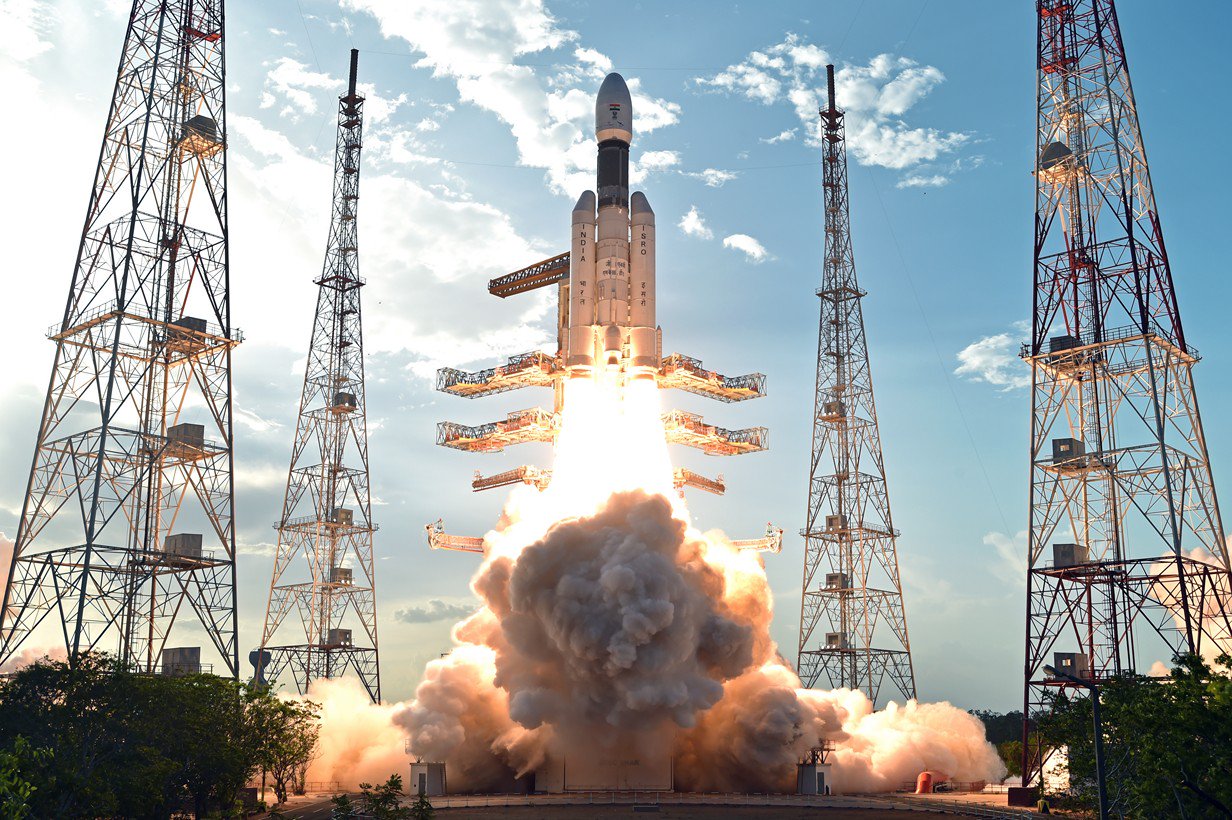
point(1126, 554)
point(127, 526)
point(851, 587)
point(327, 512)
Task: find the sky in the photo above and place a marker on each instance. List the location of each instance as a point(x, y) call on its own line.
point(477, 144)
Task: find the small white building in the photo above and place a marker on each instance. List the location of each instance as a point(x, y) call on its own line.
point(427, 779)
point(813, 778)
point(813, 775)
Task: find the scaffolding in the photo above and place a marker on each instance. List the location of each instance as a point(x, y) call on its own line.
point(687, 374)
point(533, 369)
point(853, 625)
point(772, 541)
point(533, 476)
point(690, 430)
point(439, 540)
point(541, 274)
point(1127, 558)
point(326, 530)
point(683, 477)
point(135, 443)
point(519, 427)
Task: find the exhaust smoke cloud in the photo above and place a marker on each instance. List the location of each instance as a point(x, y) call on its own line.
point(608, 620)
point(609, 623)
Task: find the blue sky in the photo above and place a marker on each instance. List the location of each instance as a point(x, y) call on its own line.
point(478, 144)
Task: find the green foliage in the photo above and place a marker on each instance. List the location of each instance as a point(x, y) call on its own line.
point(1167, 745)
point(1011, 755)
point(287, 738)
point(384, 801)
point(1000, 728)
point(121, 744)
point(1005, 732)
point(422, 809)
point(344, 808)
point(15, 789)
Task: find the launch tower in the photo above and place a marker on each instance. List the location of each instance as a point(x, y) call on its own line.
point(126, 528)
point(1126, 553)
point(327, 512)
point(853, 629)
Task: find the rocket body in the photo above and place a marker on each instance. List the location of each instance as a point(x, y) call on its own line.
point(612, 267)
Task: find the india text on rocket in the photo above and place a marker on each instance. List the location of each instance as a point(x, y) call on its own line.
point(606, 322)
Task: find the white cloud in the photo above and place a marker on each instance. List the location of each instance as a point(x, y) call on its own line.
point(548, 111)
point(876, 96)
point(285, 192)
point(922, 181)
point(747, 245)
point(994, 360)
point(1011, 566)
point(658, 160)
point(693, 224)
point(714, 177)
point(23, 24)
point(298, 85)
point(785, 135)
point(596, 60)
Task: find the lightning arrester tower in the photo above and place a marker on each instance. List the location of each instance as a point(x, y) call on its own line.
point(126, 528)
point(327, 513)
point(1127, 561)
point(853, 629)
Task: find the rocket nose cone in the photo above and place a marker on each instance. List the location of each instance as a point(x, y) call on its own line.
point(614, 110)
point(585, 203)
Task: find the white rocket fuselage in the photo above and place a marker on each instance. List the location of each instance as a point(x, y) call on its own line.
point(612, 263)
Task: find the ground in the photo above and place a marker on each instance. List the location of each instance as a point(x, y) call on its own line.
point(676, 813)
point(783, 807)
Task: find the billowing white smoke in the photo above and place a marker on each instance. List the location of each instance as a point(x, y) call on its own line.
point(1212, 609)
point(628, 627)
point(360, 741)
point(610, 624)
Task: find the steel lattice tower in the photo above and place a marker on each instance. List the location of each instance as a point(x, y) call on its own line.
point(1121, 486)
point(327, 513)
point(849, 532)
point(127, 521)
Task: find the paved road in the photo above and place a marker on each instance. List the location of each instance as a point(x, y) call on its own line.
point(313, 807)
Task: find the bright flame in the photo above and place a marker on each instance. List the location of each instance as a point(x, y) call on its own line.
point(611, 440)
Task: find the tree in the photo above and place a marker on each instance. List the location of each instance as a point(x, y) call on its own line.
point(422, 809)
point(288, 731)
point(15, 789)
point(1011, 755)
point(344, 808)
point(1004, 731)
point(384, 802)
point(122, 744)
point(1000, 728)
point(1167, 745)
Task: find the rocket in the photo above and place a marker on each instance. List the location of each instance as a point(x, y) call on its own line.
point(612, 256)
